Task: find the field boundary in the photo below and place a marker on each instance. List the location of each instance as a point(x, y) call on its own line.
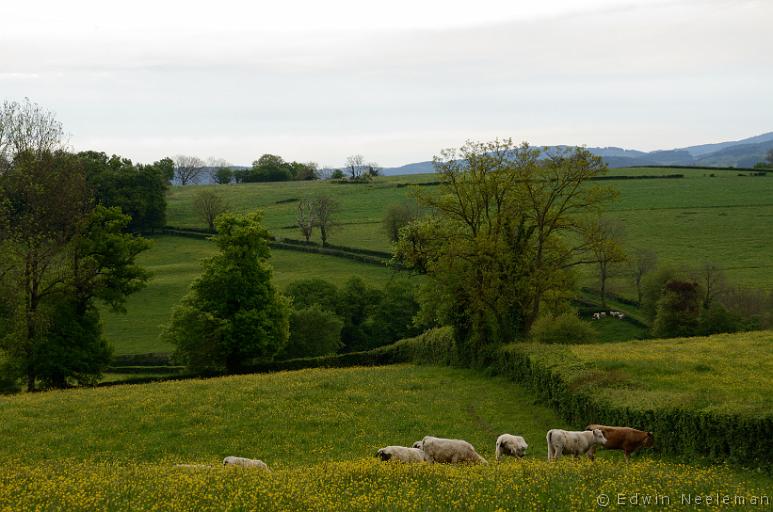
point(716, 437)
point(367, 256)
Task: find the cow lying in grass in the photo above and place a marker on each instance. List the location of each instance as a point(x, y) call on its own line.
point(572, 443)
point(623, 438)
point(403, 454)
point(449, 451)
point(245, 463)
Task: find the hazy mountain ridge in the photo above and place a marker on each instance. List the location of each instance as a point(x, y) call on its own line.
point(740, 153)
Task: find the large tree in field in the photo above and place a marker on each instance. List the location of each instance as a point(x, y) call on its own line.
point(27, 127)
point(233, 313)
point(63, 254)
point(504, 233)
point(604, 238)
point(188, 169)
point(208, 204)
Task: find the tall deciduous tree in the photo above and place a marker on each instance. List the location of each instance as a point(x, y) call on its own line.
point(64, 256)
point(325, 209)
point(643, 261)
point(27, 127)
point(188, 169)
point(305, 217)
point(208, 204)
point(233, 313)
point(604, 237)
point(496, 244)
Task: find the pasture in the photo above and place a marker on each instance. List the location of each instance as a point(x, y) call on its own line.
point(724, 373)
point(176, 261)
point(115, 448)
point(724, 219)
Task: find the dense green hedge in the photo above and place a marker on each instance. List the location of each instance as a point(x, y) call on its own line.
point(717, 437)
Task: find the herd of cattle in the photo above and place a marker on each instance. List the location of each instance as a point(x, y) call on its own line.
point(452, 451)
point(560, 442)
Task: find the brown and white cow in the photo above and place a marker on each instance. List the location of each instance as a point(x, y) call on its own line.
point(623, 438)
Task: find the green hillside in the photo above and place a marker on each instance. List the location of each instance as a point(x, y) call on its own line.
point(176, 261)
point(115, 448)
point(724, 219)
point(726, 373)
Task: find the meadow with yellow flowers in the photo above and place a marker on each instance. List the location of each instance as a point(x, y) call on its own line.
point(318, 430)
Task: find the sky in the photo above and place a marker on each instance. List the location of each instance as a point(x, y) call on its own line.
point(395, 81)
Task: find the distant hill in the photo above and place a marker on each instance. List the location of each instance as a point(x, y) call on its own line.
point(740, 153)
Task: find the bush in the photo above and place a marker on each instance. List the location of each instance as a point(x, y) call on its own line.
point(314, 331)
point(677, 310)
point(308, 292)
point(436, 346)
point(564, 328)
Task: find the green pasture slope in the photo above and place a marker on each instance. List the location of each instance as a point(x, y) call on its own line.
point(724, 373)
point(176, 261)
point(725, 219)
point(115, 448)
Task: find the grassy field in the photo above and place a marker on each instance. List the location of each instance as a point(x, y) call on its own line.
point(726, 373)
point(724, 218)
point(115, 448)
point(176, 261)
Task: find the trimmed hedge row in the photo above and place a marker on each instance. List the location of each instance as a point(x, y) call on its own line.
point(716, 437)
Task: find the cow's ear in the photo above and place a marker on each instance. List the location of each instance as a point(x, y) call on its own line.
point(650, 434)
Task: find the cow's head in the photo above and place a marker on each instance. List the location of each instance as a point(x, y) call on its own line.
point(383, 455)
point(649, 440)
point(598, 437)
point(418, 444)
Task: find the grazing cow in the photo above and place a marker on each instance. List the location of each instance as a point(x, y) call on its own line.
point(245, 463)
point(623, 438)
point(510, 445)
point(449, 450)
point(572, 443)
point(403, 454)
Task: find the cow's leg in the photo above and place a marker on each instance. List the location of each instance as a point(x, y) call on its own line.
point(627, 455)
point(592, 453)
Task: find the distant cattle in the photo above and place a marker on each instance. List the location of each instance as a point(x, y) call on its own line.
point(449, 451)
point(562, 442)
point(403, 454)
point(626, 439)
point(514, 446)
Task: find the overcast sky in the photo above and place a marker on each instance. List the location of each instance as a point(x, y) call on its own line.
point(395, 81)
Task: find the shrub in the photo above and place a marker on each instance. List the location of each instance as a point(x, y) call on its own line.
point(314, 331)
point(564, 328)
point(677, 310)
point(308, 292)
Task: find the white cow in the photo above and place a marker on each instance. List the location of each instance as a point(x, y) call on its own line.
point(449, 450)
point(510, 445)
point(572, 443)
point(245, 463)
point(403, 454)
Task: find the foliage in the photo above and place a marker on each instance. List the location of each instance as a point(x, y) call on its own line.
point(315, 291)
point(223, 175)
point(233, 314)
point(208, 205)
point(604, 237)
point(678, 310)
point(642, 262)
point(397, 216)
point(652, 289)
point(63, 255)
point(356, 305)
point(324, 211)
point(272, 168)
point(392, 318)
point(138, 190)
point(314, 331)
point(27, 127)
point(564, 328)
point(497, 243)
